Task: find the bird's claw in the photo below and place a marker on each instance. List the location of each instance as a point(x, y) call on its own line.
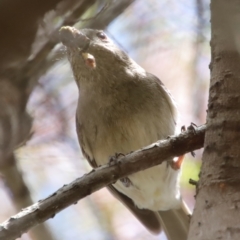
point(183, 128)
point(192, 127)
point(126, 181)
point(114, 159)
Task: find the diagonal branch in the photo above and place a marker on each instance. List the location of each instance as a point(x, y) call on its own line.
point(41, 63)
point(139, 160)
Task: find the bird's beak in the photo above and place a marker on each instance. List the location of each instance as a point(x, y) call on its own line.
point(73, 38)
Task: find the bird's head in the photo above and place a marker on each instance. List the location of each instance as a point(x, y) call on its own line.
point(92, 54)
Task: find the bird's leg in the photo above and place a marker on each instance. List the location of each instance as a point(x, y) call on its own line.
point(114, 160)
point(126, 181)
point(176, 165)
point(192, 128)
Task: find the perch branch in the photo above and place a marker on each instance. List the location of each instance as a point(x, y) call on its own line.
point(147, 157)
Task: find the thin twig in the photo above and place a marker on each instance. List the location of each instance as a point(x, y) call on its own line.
point(103, 9)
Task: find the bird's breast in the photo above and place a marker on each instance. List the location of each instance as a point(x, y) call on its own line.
point(120, 129)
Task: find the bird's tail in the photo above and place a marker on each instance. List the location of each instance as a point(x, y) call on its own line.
point(175, 222)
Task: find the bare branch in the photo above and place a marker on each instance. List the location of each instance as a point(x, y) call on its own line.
point(155, 154)
point(22, 62)
point(40, 64)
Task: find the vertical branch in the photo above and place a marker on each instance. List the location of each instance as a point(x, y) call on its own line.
point(217, 210)
point(15, 184)
point(15, 125)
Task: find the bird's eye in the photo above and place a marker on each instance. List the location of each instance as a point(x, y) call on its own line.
point(101, 35)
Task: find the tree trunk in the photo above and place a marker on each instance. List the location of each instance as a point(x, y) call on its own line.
point(217, 210)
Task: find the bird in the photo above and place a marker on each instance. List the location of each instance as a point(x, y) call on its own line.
point(122, 108)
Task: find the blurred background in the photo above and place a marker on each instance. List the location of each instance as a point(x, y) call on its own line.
point(168, 38)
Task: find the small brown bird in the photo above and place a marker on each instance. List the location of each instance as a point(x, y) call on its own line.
point(122, 108)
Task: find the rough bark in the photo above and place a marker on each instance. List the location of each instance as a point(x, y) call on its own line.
point(217, 210)
point(101, 177)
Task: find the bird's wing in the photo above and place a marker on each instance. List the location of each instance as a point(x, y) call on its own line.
point(164, 92)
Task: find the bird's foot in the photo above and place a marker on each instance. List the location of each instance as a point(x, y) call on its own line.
point(192, 128)
point(126, 182)
point(114, 159)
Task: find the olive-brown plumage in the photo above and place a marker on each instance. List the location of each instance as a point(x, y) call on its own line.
point(123, 108)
